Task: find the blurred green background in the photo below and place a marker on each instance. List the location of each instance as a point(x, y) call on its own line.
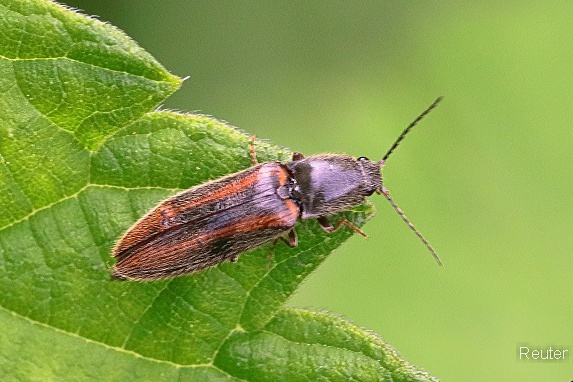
point(487, 176)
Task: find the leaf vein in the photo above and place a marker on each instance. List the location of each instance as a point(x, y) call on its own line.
point(90, 341)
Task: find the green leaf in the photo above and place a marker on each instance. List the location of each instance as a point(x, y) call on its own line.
point(82, 157)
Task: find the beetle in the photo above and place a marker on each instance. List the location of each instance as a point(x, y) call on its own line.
point(218, 220)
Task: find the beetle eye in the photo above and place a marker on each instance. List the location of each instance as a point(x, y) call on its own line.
point(362, 159)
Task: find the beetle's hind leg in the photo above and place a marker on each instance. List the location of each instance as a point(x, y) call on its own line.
point(291, 240)
point(325, 224)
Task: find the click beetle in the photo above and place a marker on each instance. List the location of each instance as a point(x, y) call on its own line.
point(218, 220)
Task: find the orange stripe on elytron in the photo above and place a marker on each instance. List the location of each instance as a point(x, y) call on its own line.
point(231, 188)
point(253, 224)
point(293, 208)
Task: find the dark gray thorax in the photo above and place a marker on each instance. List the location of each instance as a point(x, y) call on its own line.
point(327, 184)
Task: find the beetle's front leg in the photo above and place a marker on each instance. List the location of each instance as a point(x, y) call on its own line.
point(325, 224)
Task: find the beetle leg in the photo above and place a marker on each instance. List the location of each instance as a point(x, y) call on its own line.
point(292, 238)
point(323, 221)
point(297, 156)
point(252, 151)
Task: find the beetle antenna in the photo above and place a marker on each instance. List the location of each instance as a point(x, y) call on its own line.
point(384, 191)
point(407, 129)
